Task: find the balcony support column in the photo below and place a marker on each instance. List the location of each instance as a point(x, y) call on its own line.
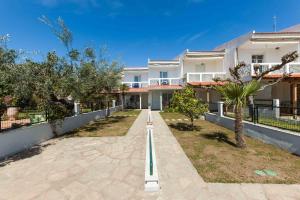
point(160, 100)
point(207, 96)
point(140, 101)
point(294, 99)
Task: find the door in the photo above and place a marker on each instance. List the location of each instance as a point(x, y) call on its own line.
point(162, 80)
point(166, 100)
point(136, 80)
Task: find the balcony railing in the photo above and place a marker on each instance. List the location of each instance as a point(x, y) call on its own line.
point(165, 81)
point(204, 76)
point(142, 84)
point(288, 68)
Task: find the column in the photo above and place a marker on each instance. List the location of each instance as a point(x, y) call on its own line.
point(113, 103)
point(160, 100)
point(207, 96)
point(220, 108)
point(276, 108)
point(294, 99)
point(150, 100)
point(140, 101)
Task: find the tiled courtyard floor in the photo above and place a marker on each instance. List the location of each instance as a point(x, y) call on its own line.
point(113, 168)
point(81, 168)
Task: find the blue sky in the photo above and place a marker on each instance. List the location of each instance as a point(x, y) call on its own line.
point(136, 30)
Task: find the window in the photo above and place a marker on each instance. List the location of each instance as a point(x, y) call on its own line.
point(257, 58)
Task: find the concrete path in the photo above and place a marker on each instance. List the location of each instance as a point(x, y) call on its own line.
point(113, 168)
point(82, 168)
point(180, 180)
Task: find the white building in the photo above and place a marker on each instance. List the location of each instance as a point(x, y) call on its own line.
point(154, 85)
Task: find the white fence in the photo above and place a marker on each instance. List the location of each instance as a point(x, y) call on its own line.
point(204, 76)
point(17, 140)
point(261, 67)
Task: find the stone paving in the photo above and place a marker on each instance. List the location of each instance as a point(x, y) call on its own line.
point(82, 168)
point(113, 168)
point(180, 180)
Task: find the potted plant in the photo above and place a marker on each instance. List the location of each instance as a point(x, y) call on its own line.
point(12, 111)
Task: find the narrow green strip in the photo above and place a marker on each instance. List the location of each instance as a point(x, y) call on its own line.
point(150, 151)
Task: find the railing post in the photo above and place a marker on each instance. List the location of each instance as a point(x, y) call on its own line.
point(220, 108)
point(276, 108)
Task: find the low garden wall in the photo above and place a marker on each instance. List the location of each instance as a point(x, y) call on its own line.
point(282, 138)
point(17, 140)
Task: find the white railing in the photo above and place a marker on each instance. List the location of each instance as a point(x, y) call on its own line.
point(142, 84)
point(204, 76)
point(288, 68)
point(165, 81)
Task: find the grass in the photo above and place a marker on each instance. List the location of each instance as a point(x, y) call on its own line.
point(283, 124)
point(116, 125)
point(280, 124)
point(212, 151)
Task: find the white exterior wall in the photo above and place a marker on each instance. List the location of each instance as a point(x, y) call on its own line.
point(17, 140)
point(129, 76)
point(214, 65)
point(173, 72)
point(271, 55)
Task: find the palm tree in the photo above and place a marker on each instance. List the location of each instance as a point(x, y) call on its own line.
point(237, 94)
point(123, 89)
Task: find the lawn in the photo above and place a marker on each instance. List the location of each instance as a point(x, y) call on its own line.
point(211, 149)
point(116, 125)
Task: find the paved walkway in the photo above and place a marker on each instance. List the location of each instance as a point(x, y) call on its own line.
point(113, 168)
point(180, 180)
point(82, 168)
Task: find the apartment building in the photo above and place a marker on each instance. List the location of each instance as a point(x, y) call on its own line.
point(154, 85)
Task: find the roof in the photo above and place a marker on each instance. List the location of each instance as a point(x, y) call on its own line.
point(272, 76)
point(165, 87)
point(205, 54)
point(163, 62)
point(135, 69)
point(154, 87)
point(137, 90)
point(294, 28)
point(291, 33)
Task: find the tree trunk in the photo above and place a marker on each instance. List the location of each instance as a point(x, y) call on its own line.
point(192, 122)
point(107, 106)
point(239, 135)
point(123, 101)
point(53, 126)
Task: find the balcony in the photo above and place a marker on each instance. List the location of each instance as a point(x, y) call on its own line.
point(289, 68)
point(164, 81)
point(204, 76)
point(142, 84)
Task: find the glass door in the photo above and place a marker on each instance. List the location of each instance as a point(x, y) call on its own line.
point(164, 80)
point(136, 80)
